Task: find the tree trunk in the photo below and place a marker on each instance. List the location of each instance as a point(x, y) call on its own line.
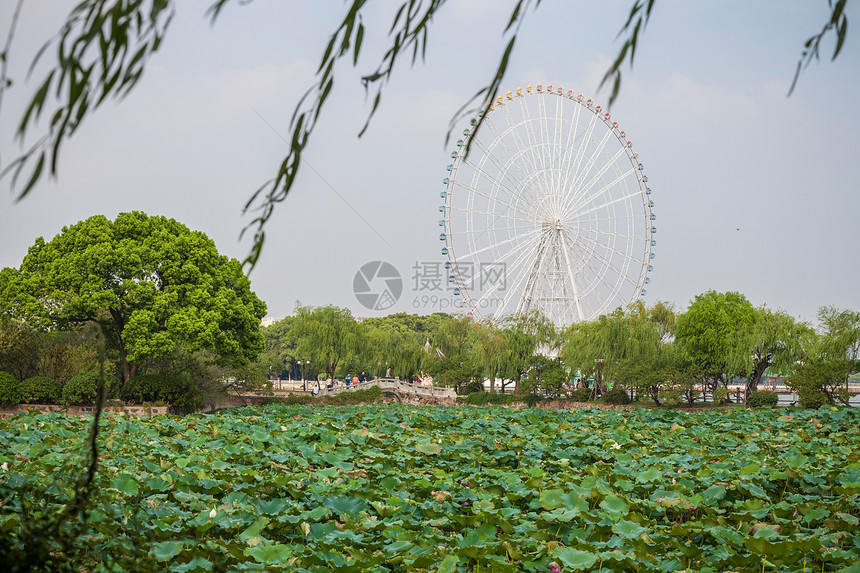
point(755, 377)
point(129, 369)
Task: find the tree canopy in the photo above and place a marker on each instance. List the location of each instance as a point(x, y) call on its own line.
point(708, 330)
point(148, 282)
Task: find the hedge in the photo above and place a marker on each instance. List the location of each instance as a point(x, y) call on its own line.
point(40, 390)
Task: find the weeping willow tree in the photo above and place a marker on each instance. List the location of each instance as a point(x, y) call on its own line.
point(597, 348)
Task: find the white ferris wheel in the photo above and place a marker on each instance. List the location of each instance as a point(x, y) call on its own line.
point(551, 210)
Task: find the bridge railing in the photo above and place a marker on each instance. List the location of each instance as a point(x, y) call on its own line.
point(395, 384)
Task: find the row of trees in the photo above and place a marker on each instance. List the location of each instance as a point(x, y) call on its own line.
point(329, 342)
point(165, 302)
point(664, 355)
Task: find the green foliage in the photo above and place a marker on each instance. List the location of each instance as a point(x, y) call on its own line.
point(397, 341)
point(720, 395)
point(772, 340)
point(328, 336)
point(178, 390)
point(367, 395)
point(821, 377)
point(616, 396)
point(661, 374)
point(82, 390)
point(9, 393)
point(763, 398)
point(19, 344)
point(598, 347)
point(531, 400)
point(455, 359)
point(582, 395)
point(709, 328)
point(813, 400)
point(149, 283)
point(40, 390)
point(482, 398)
point(254, 488)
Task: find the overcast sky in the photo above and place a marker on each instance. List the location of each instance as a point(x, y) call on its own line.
point(754, 192)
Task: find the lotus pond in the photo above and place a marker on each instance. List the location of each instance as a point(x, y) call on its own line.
point(397, 488)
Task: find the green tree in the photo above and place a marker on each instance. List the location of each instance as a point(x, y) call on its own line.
point(841, 332)
point(103, 48)
point(490, 353)
point(773, 340)
point(328, 336)
point(546, 376)
point(597, 347)
point(524, 336)
point(709, 329)
point(663, 375)
point(455, 358)
point(19, 347)
point(822, 375)
point(280, 345)
point(148, 283)
point(396, 342)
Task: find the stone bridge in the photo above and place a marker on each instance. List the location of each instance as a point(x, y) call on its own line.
point(400, 390)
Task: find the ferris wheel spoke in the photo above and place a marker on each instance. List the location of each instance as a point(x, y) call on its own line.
point(505, 242)
point(527, 277)
point(571, 275)
point(494, 230)
point(493, 214)
point(607, 263)
point(483, 193)
point(592, 159)
point(515, 158)
point(607, 246)
point(503, 169)
point(582, 149)
point(512, 289)
point(598, 220)
point(479, 169)
point(583, 192)
point(531, 140)
point(523, 252)
point(596, 208)
point(571, 145)
point(599, 299)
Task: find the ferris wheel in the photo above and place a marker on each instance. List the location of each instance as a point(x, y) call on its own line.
point(551, 210)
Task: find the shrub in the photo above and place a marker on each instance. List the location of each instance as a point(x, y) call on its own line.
point(762, 398)
point(721, 395)
point(362, 396)
point(40, 390)
point(532, 399)
point(813, 400)
point(483, 398)
point(581, 395)
point(9, 392)
point(83, 389)
point(616, 396)
point(178, 390)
